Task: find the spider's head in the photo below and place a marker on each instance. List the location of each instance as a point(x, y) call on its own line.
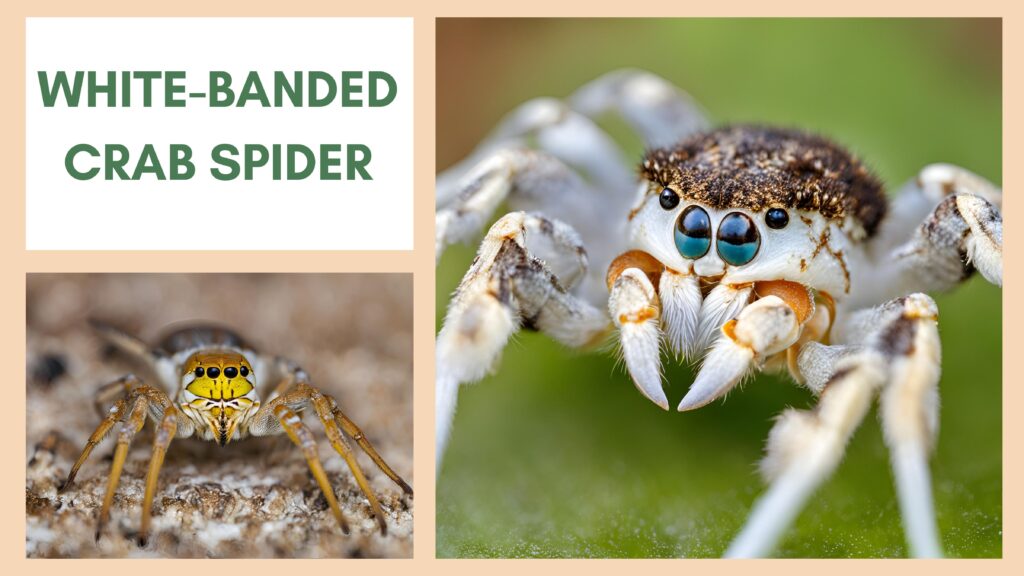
point(745, 204)
point(219, 392)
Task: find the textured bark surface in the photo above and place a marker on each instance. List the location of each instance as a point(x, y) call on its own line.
point(255, 497)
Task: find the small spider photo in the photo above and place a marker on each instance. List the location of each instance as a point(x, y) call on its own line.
point(219, 416)
point(719, 287)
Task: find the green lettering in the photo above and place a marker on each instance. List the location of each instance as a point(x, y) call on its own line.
point(110, 89)
point(60, 85)
point(148, 163)
point(252, 161)
point(348, 89)
point(252, 89)
point(326, 161)
point(222, 155)
point(221, 94)
point(113, 164)
point(181, 156)
point(332, 89)
point(392, 89)
point(358, 164)
point(292, 89)
point(294, 149)
point(69, 162)
point(171, 88)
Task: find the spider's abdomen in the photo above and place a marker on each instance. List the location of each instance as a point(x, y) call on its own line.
point(757, 168)
point(201, 336)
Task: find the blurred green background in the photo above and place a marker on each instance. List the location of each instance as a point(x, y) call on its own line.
point(557, 455)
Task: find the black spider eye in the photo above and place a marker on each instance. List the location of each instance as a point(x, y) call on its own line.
point(693, 233)
point(245, 371)
point(668, 198)
point(213, 372)
point(738, 239)
point(776, 218)
point(231, 371)
point(199, 372)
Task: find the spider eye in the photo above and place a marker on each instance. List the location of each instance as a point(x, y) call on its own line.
point(244, 370)
point(776, 218)
point(231, 371)
point(199, 372)
point(213, 372)
point(693, 232)
point(668, 198)
point(738, 239)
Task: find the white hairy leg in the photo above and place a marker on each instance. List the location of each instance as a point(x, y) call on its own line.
point(942, 227)
point(508, 287)
point(533, 181)
point(892, 348)
point(910, 418)
point(550, 126)
point(803, 450)
point(634, 308)
point(766, 327)
point(660, 112)
point(962, 234)
point(917, 198)
point(508, 172)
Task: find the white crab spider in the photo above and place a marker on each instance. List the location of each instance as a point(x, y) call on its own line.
point(748, 248)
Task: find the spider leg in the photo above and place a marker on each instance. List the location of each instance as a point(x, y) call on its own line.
point(281, 414)
point(297, 393)
point(519, 175)
point(893, 350)
point(963, 233)
point(356, 433)
point(116, 413)
point(508, 285)
point(129, 344)
point(722, 304)
point(164, 434)
point(909, 408)
point(916, 199)
point(130, 411)
point(121, 339)
point(341, 446)
point(110, 392)
point(536, 181)
point(766, 327)
point(130, 425)
point(635, 310)
point(943, 227)
point(549, 126)
point(803, 450)
point(662, 113)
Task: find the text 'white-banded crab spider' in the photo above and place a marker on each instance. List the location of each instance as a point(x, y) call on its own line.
point(747, 248)
point(214, 385)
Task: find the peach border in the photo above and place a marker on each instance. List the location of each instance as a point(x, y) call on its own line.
point(17, 262)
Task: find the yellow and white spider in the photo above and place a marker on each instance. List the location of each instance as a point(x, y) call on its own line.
point(213, 385)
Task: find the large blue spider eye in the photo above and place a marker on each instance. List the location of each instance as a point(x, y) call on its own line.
point(738, 239)
point(693, 233)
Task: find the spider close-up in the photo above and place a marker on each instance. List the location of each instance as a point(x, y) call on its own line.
point(744, 248)
point(203, 380)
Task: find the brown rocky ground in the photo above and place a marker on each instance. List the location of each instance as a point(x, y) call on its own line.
point(254, 498)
